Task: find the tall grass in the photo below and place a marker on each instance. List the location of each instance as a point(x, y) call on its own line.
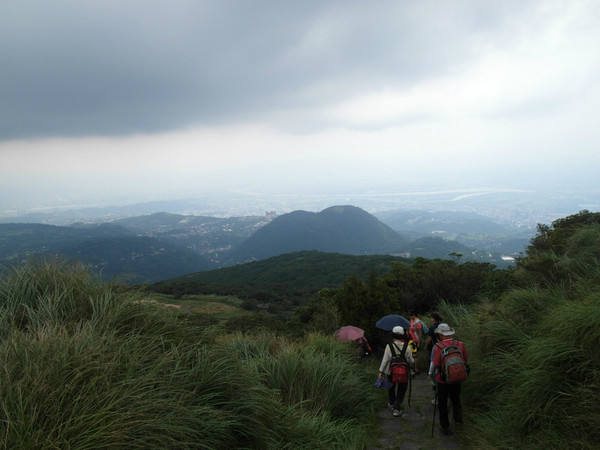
point(535, 368)
point(88, 365)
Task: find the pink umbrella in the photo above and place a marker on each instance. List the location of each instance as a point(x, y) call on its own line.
point(349, 333)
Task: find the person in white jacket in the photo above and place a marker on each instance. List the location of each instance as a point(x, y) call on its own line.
point(398, 390)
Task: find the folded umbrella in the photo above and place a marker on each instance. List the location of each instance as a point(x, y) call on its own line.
point(382, 383)
point(391, 321)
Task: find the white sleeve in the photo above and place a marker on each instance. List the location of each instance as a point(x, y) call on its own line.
point(431, 368)
point(385, 362)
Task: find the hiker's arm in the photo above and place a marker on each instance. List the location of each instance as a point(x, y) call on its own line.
point(408, 356)
point(431, 371)
point(387, 354)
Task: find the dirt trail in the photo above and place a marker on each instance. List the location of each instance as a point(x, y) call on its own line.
point(412, 430)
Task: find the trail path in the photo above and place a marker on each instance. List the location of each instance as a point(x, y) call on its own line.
point(412, 431)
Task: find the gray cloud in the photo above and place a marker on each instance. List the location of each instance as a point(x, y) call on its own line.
point(114, 68)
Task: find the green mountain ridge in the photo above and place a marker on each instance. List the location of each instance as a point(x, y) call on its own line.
point(309, 269)
point(338, 229)
point(111, 250)
point(197, 243)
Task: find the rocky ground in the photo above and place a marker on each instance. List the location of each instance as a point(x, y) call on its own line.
point(412, 430)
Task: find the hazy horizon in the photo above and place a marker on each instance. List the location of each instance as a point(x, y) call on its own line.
point(107, 102)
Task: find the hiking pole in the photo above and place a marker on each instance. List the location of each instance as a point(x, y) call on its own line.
point(434, 405)
point(409, 387)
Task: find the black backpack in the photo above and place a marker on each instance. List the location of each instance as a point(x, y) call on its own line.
point(399, 367)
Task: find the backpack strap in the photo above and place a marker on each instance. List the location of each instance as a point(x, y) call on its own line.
point(392, 349)
point(402, 352)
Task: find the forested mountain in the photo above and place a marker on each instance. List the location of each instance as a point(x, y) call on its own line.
point(467, 228)
point(437, 247)
point(298, 275)
point(450, 222)
point(211, 237)
point(113, 251)
point(430, 247)
point(180, 244)
point(341, 229)
point(20, 239)
point(135, 259)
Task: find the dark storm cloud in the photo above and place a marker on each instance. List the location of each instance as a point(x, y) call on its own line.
point(77, 68)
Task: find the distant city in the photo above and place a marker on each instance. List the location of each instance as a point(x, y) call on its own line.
point(514, 207)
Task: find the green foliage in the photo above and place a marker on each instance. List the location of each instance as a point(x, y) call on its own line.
point(534, 354)
point(305, 270)
point(422, 286)
point(549, 258)
point(112, 251)
point(362, 304)
point(553, 238)
point(87, 365)
point(327, 317)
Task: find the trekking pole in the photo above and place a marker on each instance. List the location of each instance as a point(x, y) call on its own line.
point(409, 387)
point(434, 406)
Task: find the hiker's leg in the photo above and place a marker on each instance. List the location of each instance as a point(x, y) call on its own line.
point(416, 364)
point(391, 392)
point(456, 406)
point(402, 387)
point(442, 393)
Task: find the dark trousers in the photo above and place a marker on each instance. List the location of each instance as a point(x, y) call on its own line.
point(452, 391)
point(396, 394)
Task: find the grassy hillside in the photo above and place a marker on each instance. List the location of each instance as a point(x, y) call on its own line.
point(534, 352)
point(88, 366)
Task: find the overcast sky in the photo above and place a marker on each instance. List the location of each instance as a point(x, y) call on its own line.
point(175, 98)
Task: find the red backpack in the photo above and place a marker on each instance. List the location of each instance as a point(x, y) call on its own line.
point(453, 365)
point(399, 368)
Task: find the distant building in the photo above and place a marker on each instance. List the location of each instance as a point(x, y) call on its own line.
point(270, 215)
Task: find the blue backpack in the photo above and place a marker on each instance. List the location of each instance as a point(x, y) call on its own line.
point(425, 327)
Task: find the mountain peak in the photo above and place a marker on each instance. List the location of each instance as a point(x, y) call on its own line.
point(340, 229)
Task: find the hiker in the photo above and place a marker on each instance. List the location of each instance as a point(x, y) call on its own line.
point(401, 349)
point(416, 334)
point(363, 349)
point(445, 388)
point(436, 319)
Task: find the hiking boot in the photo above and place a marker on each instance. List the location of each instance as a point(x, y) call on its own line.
point(396, 413)
point(447, 431)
